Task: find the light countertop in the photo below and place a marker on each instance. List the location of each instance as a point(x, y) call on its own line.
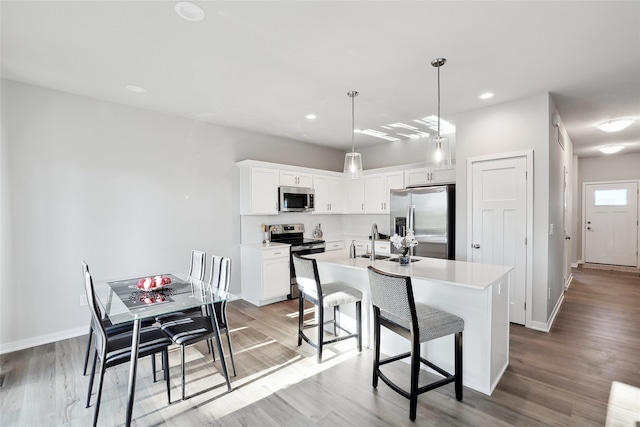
point(460, 273)
point(266, 245)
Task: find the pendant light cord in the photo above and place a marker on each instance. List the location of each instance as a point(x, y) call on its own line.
point(438, 62)
point(438, 102)
point(353, 123)
point(352, 94)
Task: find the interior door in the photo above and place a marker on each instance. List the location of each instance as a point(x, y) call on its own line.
point(499, 223)
point(611, 223)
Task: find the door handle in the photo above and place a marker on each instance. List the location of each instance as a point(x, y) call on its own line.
point(588, 228)
point(476, 246)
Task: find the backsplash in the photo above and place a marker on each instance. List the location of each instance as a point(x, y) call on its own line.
point(332, 225)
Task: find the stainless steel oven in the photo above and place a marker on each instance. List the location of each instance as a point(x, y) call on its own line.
point(293, 234)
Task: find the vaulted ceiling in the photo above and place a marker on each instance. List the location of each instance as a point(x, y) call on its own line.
point(265, 65)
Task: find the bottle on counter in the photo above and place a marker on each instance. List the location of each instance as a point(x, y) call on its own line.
point(352, 249)
point(317, 233)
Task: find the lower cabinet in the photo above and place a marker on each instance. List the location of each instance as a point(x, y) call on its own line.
point(334, 245)
point(265, 273)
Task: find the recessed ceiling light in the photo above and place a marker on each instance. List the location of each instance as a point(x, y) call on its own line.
point(610, 149)
point(310, 116)
point(486, 95)
point(615, 125)
point(189, 11)
point(136, 89)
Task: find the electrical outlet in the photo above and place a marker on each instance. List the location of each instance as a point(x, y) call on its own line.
point(550, 229)
point(83, 300)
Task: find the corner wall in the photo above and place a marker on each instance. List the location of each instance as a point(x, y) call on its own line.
point(503, 128)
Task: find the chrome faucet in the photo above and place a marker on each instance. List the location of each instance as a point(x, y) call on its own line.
point(374, 235)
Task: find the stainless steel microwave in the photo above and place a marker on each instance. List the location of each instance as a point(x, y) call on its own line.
point(296, 199)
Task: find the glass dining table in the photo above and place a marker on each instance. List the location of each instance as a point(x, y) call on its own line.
point(123, 301)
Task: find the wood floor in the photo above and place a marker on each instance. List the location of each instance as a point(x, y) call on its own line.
point(561, 378)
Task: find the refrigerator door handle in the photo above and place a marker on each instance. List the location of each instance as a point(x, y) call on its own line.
point(410, 209)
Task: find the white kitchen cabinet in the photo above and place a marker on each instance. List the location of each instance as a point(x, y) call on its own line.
point(377, 190)
point(354, 195)
point(295, 179)
point(428, 176)
point(362, 247)
point(334, 245)
point(328, 194)
point(258, 190)
point(383, 247)
point(265, 273)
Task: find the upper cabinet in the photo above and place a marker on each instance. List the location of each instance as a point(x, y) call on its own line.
point(258, 190)
point(334, 193)
point(427, 176)
point(354, 195)
point(295, 179)
point(377, 188)
point(328, 194)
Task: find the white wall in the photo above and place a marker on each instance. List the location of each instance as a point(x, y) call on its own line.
point(130, 191)
point(614, 167)
point(509, 127)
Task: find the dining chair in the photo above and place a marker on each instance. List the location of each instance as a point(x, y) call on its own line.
point(110, 330)
point(191, 329)
point(116, 349)
point(324, 296)
point(394, 308)
point(197, 270)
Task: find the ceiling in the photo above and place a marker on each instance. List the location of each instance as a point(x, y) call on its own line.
point(264, 65)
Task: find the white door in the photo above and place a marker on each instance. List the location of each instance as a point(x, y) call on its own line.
point(499, 223)
point(611, 223)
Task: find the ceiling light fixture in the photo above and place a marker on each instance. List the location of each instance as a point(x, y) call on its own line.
point(438, 153)
point(310, 116)
point(486, 95)
point(353, 160)
point(189, 11)
point(136, 89)
point(615, 125)
point(610, 149)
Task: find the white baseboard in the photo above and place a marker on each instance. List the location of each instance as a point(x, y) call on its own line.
point(43, 339)
point(569, 280)
point(575, 264)
point(546, 327)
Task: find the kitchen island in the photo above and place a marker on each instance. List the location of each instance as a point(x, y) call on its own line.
point(479, 293)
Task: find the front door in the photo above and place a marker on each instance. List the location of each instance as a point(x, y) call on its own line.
point(611, 223)
point(499, 223)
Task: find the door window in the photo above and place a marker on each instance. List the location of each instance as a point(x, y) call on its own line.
point(616, 197)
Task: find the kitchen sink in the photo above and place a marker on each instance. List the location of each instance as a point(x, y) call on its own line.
point(398, 260)
point(377, 256)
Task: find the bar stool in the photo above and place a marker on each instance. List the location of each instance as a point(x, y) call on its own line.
point(324, 296)
point(395, 308)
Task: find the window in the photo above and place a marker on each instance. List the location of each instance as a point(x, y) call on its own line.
point(611, 197)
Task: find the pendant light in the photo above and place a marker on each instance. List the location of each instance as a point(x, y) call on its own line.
point(353, 160)
point(439, 154)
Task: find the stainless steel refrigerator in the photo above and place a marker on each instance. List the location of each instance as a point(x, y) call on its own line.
point(430, 212)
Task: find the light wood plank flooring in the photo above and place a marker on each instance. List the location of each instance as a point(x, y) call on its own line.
point(562, 378)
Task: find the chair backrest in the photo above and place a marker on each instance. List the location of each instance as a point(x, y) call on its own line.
point(94, 308)
point(307, 275)
point(220, 278)
point(220, 273)
point(393, 296)
point(197, 265)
